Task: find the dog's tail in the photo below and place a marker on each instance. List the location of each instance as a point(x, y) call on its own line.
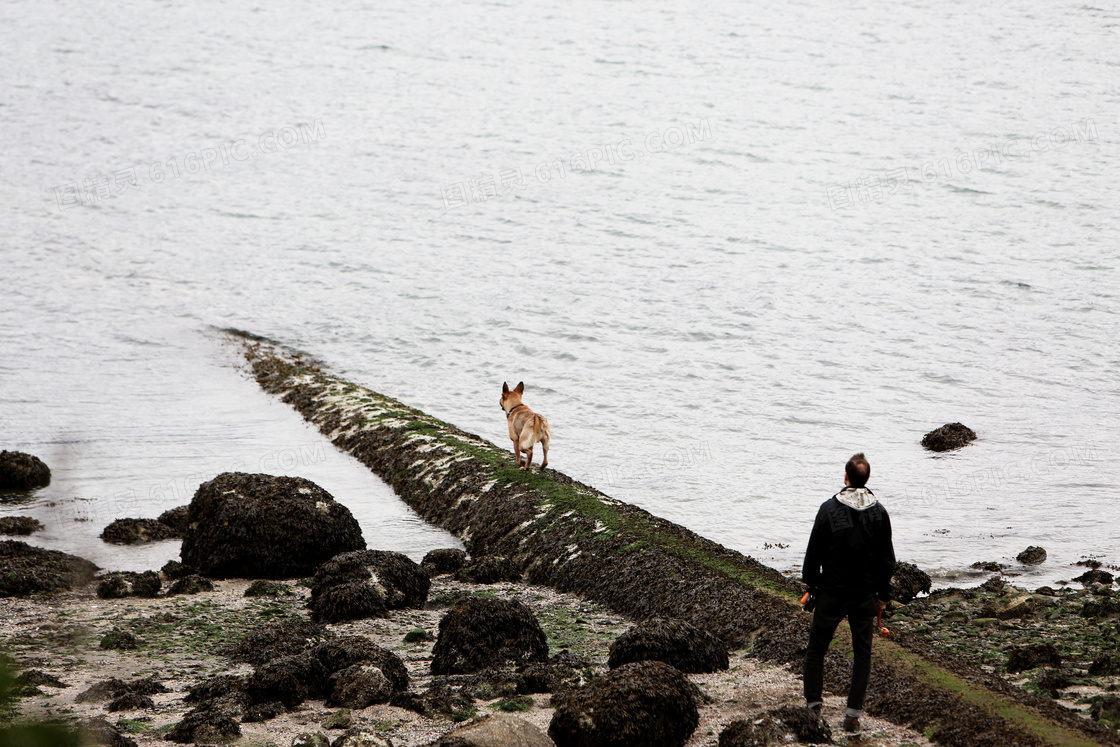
point(541, 430)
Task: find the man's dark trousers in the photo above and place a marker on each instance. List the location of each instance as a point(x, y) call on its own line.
point(830, 610)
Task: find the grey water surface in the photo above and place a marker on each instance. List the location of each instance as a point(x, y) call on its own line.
point(725, 246)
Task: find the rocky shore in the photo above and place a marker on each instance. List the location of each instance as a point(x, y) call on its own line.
point(182, 641)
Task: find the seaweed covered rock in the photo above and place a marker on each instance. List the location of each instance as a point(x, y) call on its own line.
point(19, 471)
point(353, 601)
point(496, 730)
point(261, 526)
point(1105, 665)
point(339, 653)
point(272, 640)
point(536, 677)
point(948, 437)
point(311, 739)
point(136, 532)
point(260, 712)
point(1095, 576)
point(1032, 556)
point(25, 569)
point(987, 565)
point(358, 686)
point(439, 562)
point(101, 732)
point(481, 632)
point(361, 736)
point(1106, 709)
point(1021, 658)
point(287, 679)
point(19, 525)
point(130, 702)
point(173, 570)
point(644, 703)
point(399, 581)
point(777, 727)
point(1100, 608)
point(228, 688)
point(909, 581)
point(675, 642)
point(205, 725)
point(104, 690)
point(439, 700)
point(128, 584)
point(176, 519)
point(191, 584)
point(491, 569)
point(33, 678)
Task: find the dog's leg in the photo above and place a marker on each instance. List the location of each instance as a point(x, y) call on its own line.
point(529, 458)
point(517, 452)
point(544, 447)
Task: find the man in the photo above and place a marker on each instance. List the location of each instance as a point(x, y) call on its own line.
point(848, 567)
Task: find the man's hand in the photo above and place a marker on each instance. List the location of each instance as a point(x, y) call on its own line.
point(882, 606)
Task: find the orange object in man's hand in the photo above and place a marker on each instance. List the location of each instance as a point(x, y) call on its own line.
point(879, 622)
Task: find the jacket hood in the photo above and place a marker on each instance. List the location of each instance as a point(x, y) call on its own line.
point(860, 499)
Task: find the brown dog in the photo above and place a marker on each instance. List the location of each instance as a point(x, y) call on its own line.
point(525, 426)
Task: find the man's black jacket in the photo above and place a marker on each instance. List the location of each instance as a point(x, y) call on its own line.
point(850, 551)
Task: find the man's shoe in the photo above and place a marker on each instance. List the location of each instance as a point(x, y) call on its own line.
point(817, 710)
point(851, 723)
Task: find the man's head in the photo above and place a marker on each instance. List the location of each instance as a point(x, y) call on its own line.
point(857, 471)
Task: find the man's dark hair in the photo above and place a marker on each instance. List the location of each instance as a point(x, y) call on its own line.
point(858, 470)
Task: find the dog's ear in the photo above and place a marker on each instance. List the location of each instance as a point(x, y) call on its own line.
point(520, 387)
point(505, 388)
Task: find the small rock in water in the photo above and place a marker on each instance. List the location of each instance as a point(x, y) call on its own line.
point(1095, 577)
point(1032, 556)
point(136, 532)
point(949, 436)
point(909, 581)
point(989, 566)
point(25, 569)
point(19, 471)
point(19, 525)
